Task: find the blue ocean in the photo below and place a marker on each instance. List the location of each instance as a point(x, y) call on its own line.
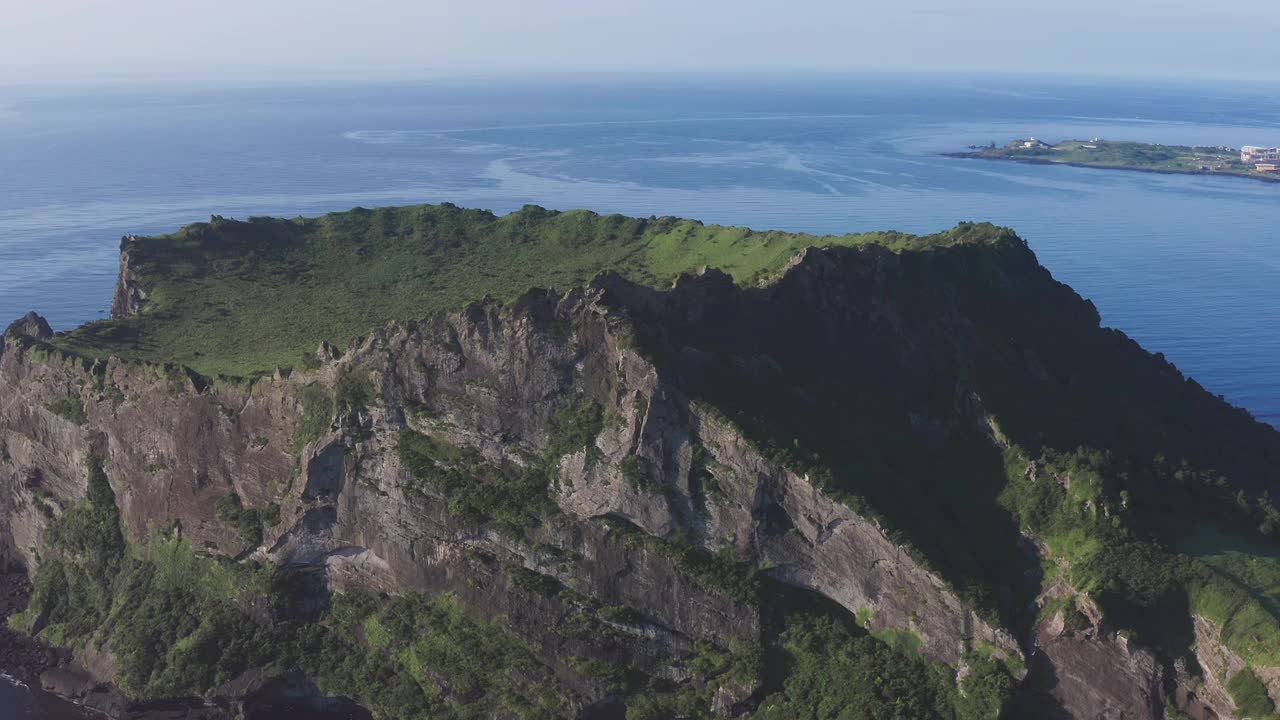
point(1189, 266)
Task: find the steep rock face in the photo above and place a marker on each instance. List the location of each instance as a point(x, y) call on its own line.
point(129, 294)
point(174, 444)
point(491, 383)
point(1218, 665)
point(1093, 673)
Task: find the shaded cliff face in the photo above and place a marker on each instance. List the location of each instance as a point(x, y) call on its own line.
point(129, 294)
point(645, 459)
point(974, 408)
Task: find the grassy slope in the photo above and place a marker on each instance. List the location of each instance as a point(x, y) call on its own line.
point(1250, 563)
point(1239, 590)
point(241, 298)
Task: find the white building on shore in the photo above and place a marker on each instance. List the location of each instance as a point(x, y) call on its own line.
point(1256, 154)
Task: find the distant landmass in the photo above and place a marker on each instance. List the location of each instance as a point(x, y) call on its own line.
point(1250, 161)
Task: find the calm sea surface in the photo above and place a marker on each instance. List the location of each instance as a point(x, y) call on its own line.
point(1189, 266)
point(18, 702)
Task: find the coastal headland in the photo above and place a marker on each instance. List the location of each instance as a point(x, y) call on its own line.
point(1249, 161)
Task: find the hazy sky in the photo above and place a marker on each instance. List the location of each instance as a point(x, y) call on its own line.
point(41, 39)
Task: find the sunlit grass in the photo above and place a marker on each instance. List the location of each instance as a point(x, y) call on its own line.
point(242, 298)
point(1240, 593)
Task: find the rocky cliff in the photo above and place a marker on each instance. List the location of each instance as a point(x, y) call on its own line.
point(834, 431)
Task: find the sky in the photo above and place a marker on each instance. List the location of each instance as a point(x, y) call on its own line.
point(266, 39)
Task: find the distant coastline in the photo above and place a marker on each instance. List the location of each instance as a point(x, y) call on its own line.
point(1135, 157)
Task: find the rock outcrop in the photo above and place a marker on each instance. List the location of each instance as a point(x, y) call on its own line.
point(30, 325)
point(1089, 672)
point(129, 294)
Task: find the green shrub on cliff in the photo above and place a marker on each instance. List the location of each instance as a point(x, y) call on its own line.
point(70, 408)
point(180, 624)
point(1250, 695)
point(825, 666)
point(85, 551)
point(171, 618)
point(737, 668)
point(573, 427)
point(829, 672)
point(431, 660)
point(985, 690)
point(353, 389)
point(177, 628)
point(318, 408)
point(509, 499)
point(664, 706)
point(247, 522)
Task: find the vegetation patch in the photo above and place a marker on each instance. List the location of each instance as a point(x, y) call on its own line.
point(818, 644)
point(739, 667)
point(1141, 585)
point(702, 484)
point(318, 409)
point(511, 499)
point(719, 573)
point(1238, 588)
point(70, 408)
point(986, 688)
point(178, 625)
point(531, 582)
point(574, 426)
point(1250, 695)
point(416, 657)
point(115, 395)
point(621, 614)
point(353, 389)
point(904, 642)
point(613, 676)
point(636, 473)
point(171, 617)
point(248, 523)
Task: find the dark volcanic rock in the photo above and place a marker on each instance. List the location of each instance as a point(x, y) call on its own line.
point(30, 325)
point(129, 294)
